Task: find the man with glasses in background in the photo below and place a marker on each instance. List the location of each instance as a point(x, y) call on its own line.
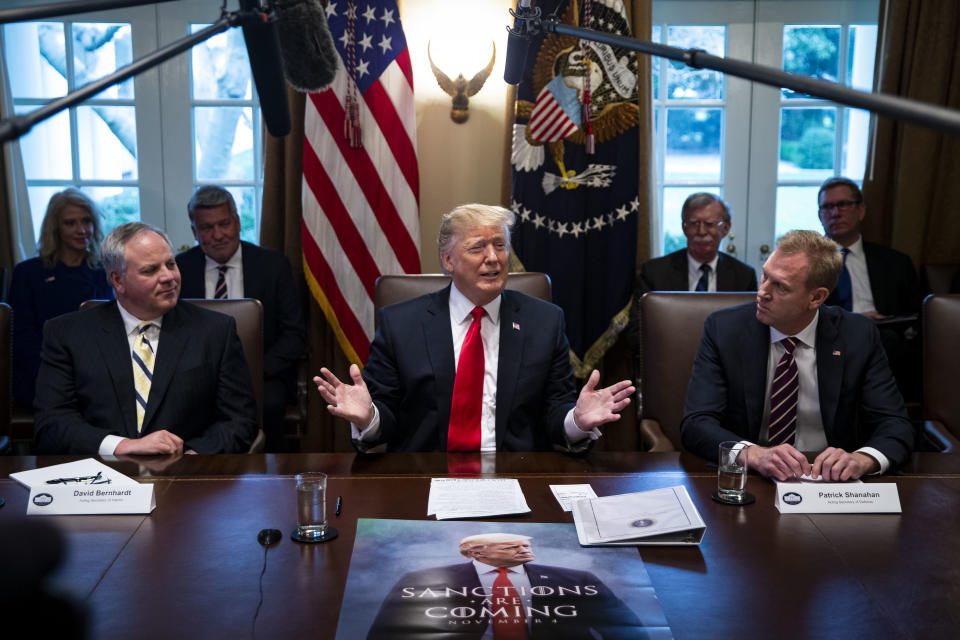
point(701, 266)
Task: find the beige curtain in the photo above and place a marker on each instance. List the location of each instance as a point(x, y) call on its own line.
point(912, 181)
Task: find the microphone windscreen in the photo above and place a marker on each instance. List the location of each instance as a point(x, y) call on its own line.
point(518, 44)
point(263, 49)
point(306, 46)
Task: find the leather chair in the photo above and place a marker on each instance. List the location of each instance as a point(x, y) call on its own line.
point(397, 288)
point(671, 326)
point(248, 314)
point(941, 370)
point(6, 364)
point(937, 278)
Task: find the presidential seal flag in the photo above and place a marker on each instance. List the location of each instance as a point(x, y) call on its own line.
point(360, 176)
point(574, 174)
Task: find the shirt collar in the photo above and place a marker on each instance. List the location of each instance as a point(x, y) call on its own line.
point(461, 307)
point(808, 336)
point(482, 567)
point(235, 261)
point(694, 265)
point(856, 248)
point(131, 322)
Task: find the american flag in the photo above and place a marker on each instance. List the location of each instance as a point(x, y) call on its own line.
point(361, 205)
point(556, 113)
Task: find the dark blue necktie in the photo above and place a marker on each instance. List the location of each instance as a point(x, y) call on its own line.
point(844, 285)
point(703, 284)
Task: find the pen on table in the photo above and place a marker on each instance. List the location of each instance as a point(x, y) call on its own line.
point(336, 510)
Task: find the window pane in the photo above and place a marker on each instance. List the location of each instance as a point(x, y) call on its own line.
point(861, 54)
point(672, 227)
point(107, 143)
point(693, 144)
point(856, 133)
point(224, 145)
point(99, 49)
point(807, 142)
point(796, 209)
point(811, 51)
point(39, 51)
point(220, 69)
point(46, 148)
point(655, 62)
point(116, 204)
point(684, 82)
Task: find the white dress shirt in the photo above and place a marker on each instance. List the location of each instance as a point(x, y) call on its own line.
point(131, 325)
point(460, 321)
point(859, 278)
point(694, 273)
point(233, 277)
point(810, 435)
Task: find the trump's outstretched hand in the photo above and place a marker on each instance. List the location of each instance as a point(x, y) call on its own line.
point(600, 406)
point(348, 401)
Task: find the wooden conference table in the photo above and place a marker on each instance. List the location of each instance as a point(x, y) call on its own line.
point(191, 568)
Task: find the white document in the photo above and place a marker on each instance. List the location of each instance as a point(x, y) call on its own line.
point(84, 487)
point(658, 517)
point(475, 498)
point(567, 494)
point(837, 497)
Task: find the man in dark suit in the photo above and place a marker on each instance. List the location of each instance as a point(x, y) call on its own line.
point(880, 281)
point(786, 374)
point(701, 266)
point(145, 374)
point(248, 271)
point(514, 389)
point(462, 600)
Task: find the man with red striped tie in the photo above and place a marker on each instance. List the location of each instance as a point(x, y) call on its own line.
point(472, 367)
point(787, 375)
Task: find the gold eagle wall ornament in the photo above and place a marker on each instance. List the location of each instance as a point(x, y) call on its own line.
point(459, 89)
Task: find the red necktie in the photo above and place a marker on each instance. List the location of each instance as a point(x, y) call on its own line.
point(463, 433)
point(513, 625)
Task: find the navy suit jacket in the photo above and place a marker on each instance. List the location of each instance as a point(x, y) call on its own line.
point(200, 390)
point(669, 273)
point(597, 607)
point(893, 281)
point(268, 278)
point(411, 369)
point(859, 401)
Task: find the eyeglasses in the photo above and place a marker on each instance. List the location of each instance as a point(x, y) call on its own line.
point(840, 205)
point(708, 226)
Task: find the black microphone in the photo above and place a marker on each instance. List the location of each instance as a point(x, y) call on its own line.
point(263, 49)
point(518, 42)
point(306, 46)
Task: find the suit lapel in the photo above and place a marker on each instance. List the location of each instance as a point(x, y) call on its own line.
point(252, 282)
point(725, 275)
point(115, 349)
point(438, 337)
point(193, 284)
point(754, 351)
point(679, 271)
point(508, 365)
point(829, 367)
point(172, 342)
point(875, 272)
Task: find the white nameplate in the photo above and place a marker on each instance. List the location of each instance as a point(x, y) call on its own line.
point(86, 499)
point(837, 497)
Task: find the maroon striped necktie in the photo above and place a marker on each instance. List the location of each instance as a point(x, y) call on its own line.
point(784, 391)
point(220, 291)
point(463, 433)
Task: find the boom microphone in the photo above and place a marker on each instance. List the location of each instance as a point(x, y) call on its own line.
point(306, 46)
point(263, 49)
point(518, 42)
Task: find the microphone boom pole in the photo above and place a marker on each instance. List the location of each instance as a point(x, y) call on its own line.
point(912, 111)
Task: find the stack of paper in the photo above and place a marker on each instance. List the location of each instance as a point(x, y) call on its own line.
point(475, 498)
point(661, 516)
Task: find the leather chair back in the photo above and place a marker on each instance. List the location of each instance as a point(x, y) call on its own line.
point(6, 364)
point(248, 314)
point(941, 363)
point(397, 288)
point(671, 326)
point(937, 278)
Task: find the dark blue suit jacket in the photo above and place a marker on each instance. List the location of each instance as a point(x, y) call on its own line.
point(200, 391)
point(268, 278)
point(411, 369)
point(670, 273)
point(597, 607)
point(893, 281)
point(859, 401)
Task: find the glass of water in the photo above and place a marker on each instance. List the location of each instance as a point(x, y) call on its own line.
point(312, 505)
point(732, 473)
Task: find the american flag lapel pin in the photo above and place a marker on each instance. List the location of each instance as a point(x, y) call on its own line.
point(516, 326)
point(836, 353)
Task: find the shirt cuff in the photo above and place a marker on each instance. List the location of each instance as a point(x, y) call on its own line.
point(879, 457)
point(109, 444)
point(370, 433)
point(577, 438)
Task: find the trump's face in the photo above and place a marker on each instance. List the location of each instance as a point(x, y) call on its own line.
point(504, 554)
point(477, 260)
